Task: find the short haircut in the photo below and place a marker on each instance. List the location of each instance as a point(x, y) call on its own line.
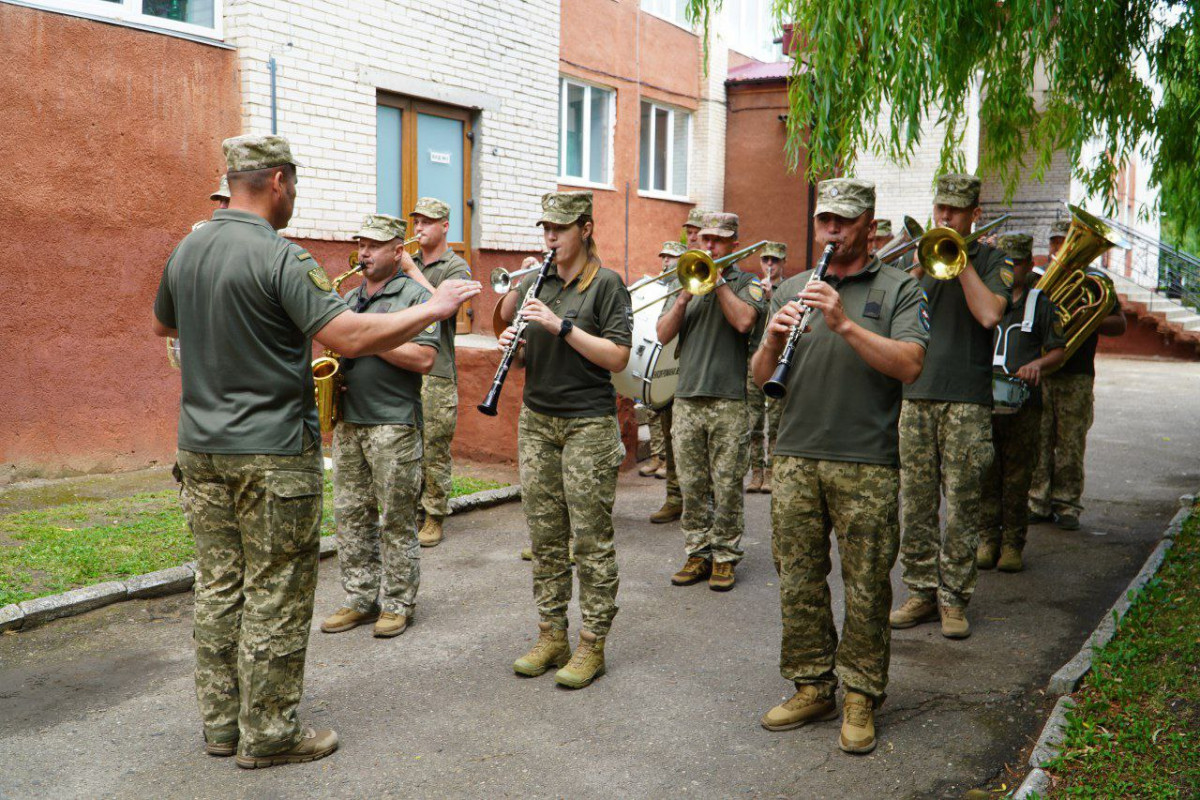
point(255, 180)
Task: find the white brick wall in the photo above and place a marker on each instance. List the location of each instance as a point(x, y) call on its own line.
point(706, 179)
point(330, 54)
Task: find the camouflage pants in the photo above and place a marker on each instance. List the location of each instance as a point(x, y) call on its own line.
point(859, 502)
point(1005, 508)
point(1067, 402)
point(658, 434)
point(256, 520)
point(568, 485)
point(945, 448)
point(376, 479)
point(667, 415)
point(762, 437)
point(439, 407)
point(710, 437)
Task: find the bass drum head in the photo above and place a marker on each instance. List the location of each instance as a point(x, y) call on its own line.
point(651, 375)
point(1008, 394)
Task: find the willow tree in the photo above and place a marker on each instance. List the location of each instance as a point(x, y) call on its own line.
point(1122, 79)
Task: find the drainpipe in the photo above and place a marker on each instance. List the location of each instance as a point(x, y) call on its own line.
point(274, 112)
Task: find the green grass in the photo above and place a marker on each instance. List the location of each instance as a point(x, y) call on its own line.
point(78, 544)
point(1135, 731)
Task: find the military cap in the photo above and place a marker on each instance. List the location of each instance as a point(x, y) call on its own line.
point(1059, 227)
point(431, 208)
point(381, 228)
point(254, 151)
point(883, 227)
point(776, 249)
point(957, 190)
point(720, 223)
point(845, 197)
point(1016, 245)
point(222, 192)
point(695, 218)
point(672, 248)
point(563, 208)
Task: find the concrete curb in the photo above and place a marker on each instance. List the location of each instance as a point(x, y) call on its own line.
point(31, 613)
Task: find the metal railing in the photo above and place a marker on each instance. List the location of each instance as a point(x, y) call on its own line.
point(1155, 265)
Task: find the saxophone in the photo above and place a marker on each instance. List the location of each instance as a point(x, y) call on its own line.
point(327, 369)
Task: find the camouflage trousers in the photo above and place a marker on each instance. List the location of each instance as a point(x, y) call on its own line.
point(945, 448)
point(256, 520)
point(1067, 409)
point(568, 485)
point(658, 433)
point(439, 407)
point(761, 409)
point(710, 436)
point(376, 480)
point(858, 502)
point(1005, 506)
point(667, 415)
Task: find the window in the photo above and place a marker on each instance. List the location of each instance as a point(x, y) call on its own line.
point(200, 17)
point(585, 146)
point(670, 10)
point(665, 145)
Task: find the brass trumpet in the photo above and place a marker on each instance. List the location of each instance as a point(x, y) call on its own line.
point(698, 272)
point(327, 368)
point(941, 252)
point(503, 280)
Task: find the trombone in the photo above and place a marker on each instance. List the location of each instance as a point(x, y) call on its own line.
point(698, 272)
point(941, 252)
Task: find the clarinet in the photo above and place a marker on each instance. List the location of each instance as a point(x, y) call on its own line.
point(490, 403)
point(776, 388)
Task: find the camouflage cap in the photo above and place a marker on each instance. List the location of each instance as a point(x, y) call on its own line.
point(775, 249)
point(883, 227)
point(254, 151)
point(431, 208)
point(563, 208)
point(381, 228)
point(222, 192)
point(1017, 245)
point(845, 197)
point(695, 218)
point(720, 223)
point(957, 190)
point(1059, 227)
point(672, 248)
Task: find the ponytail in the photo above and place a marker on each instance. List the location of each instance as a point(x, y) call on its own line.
point(593, 256)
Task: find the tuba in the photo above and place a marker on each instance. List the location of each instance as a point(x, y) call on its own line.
point(327, 369)
point(1081, 299)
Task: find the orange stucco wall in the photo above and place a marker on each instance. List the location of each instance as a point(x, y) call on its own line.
point(112, 141)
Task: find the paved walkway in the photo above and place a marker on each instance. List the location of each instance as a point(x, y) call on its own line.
point(102, 705)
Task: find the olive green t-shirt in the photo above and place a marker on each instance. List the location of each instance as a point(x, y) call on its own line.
point(1014, 347)
point(958, 363)
point(713, 356)
point(379, 393)
point(837, 407)
point(448, 266)
point(246, 303)
point(559, 382)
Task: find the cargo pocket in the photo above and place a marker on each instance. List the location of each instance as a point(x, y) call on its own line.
point(293, 510)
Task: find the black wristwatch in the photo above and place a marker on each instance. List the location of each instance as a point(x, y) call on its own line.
point(567, 327)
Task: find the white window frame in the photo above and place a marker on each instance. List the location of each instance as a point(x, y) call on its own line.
point(652, 8)
point(575, 180)
point(671, 112)
point(130, 12)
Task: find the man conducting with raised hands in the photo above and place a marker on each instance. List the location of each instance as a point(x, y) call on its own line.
point(836, 463)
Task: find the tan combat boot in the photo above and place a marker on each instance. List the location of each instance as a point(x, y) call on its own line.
point(914, 611)
point(985, 556)
point(695, 570)
point(431, 533)
point(585, 665)
point(220, 749)
point(954, 622)
point(671, 510)
point(527, 554)
point(805, 706)
point(313, 745)
point(756, 479)
point(1010, 559)
point(650, 467)
point(766, 484)
point(661, 472)
point(346, 618)
point(551, 650)
point(391, 624)
point(858, 724)
point(722, 579)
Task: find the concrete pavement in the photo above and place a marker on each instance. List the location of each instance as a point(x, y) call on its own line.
point(102, 705)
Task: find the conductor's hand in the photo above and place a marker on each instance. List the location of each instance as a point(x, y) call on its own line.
point(781, 324)
point(507, 337)
point(450, 295)
point(537, 311)
point(821, 296)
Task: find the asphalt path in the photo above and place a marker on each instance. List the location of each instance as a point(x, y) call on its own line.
point(102, 705)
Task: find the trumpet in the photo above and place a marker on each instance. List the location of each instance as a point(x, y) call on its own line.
point(776, 387)
point(503, 280)
point(327, 368)
point(941, 252)
point(698, 272)
point(492, 401)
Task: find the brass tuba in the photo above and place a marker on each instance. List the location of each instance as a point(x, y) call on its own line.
point(327, 369)
point(1082, 299)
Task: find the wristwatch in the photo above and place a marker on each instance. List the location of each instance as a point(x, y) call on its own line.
point(567, 327)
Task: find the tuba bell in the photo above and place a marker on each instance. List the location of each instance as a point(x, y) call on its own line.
point(327, 368)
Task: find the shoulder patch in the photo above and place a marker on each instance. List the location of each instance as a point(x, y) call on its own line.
point(304, 255)
point(1006, 276)
point(756, 289)
point(432, 328)
point(319, 278)
point(1058, 327)
point(923, 314)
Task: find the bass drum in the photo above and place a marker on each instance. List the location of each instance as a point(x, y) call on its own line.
point(1009, 393)
point(653, 370)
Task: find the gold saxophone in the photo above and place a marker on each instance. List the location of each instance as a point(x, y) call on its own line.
point(327, 369)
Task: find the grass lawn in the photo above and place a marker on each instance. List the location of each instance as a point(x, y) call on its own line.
point(77, 544)
point(1135, 732)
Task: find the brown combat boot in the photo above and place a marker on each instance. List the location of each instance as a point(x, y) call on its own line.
point(722, 579)
point(805, 706)
point(954, 622)
point(650, 467)
point(345, 619)
point(985, 555)
point(914, 611)
point(671, 510)
point(551, 650)
point(1010, 559)
point(585, 665)
point(695, 570)
point(431, 533)
point(220, 749)
point(858, 724)
point(391, 624)
point(756, 479)
point(766, 484)
point(661, 472)
point(313, 745)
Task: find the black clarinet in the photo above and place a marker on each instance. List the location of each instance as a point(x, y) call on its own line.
point(776, 388)
point(489, 404)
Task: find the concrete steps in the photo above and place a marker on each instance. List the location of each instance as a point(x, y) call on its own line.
point(1173, 320)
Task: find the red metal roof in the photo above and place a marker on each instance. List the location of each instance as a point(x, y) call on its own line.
point(759, 72)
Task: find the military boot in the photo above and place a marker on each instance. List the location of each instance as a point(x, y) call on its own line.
point(1010, 559)
point(766, 484)
point(313, 745)
point(220, 749)
point(1067, 522)
point(431, 534)
point(954, 622)
point(391, 624)
point(756, 479)
point(671, 510)
point(551, 650)
point(585, 665)
point(650, 467)
point(346, 618)
point(914, 611)
point(695, 570)
point(805, 706)
point(527, 554)
point(985, 556)
point(858, 724)
point(722, 578)
point(661, 472)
